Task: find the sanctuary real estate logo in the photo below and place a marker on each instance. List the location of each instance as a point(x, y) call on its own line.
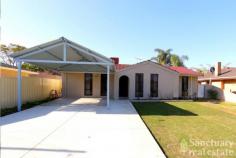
point(211, 148)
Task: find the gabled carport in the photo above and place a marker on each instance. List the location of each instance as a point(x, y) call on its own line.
point(65, 56)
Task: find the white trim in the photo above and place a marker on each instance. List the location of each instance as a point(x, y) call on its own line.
point(219, 78)
point(19, 86)
point(64, 62)
point(38, 51)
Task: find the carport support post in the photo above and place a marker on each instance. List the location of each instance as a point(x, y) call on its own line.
point(19, 86)
point(64, 52)
point(108, 86)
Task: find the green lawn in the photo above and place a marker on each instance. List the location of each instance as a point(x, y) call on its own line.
point(191, 129)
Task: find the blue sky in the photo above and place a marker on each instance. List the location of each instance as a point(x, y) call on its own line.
point(205, 30)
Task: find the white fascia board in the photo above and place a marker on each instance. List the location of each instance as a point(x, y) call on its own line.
point(219, 78)
point(64, 62)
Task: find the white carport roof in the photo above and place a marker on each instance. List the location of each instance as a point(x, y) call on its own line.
point(64, 55)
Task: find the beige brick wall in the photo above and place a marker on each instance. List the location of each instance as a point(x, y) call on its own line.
point(168, 80)
point(73, 85)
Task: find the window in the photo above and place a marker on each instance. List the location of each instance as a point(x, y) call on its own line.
point(184, 86)
point(154, 85)
point(139, 85)
point(88, 84)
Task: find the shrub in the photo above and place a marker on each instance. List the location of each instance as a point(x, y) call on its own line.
point(212, 94)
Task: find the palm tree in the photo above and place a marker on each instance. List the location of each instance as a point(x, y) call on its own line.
point(165, 57)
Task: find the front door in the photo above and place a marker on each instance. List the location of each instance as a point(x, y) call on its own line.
point(124, 87)
point(103, 84)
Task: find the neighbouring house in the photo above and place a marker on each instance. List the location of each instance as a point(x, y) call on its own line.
point(223, 78)
point(220, 80)
point(86, 73)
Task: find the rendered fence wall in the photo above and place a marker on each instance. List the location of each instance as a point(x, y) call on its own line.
point(230, 97)
point(225, 95)
point(33, 89)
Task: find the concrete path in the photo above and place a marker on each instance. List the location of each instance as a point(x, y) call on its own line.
point(82, 128)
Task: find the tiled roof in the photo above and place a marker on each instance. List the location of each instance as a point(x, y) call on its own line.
point(184, 71)
point(229, 72)
point(121, 66)
point(179, 69)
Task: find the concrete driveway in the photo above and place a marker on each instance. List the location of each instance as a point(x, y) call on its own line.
point(82, 128)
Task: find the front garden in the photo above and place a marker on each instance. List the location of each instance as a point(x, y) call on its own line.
point(191, 129)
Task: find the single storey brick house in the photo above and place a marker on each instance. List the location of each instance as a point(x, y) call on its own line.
point(86, 73)
point(145, 80)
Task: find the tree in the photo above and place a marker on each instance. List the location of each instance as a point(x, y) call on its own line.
point(165, 57)
point(31, 67)
point(12, 48)
point(7, 50)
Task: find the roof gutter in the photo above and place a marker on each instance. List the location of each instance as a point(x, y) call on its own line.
point(219, 78)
